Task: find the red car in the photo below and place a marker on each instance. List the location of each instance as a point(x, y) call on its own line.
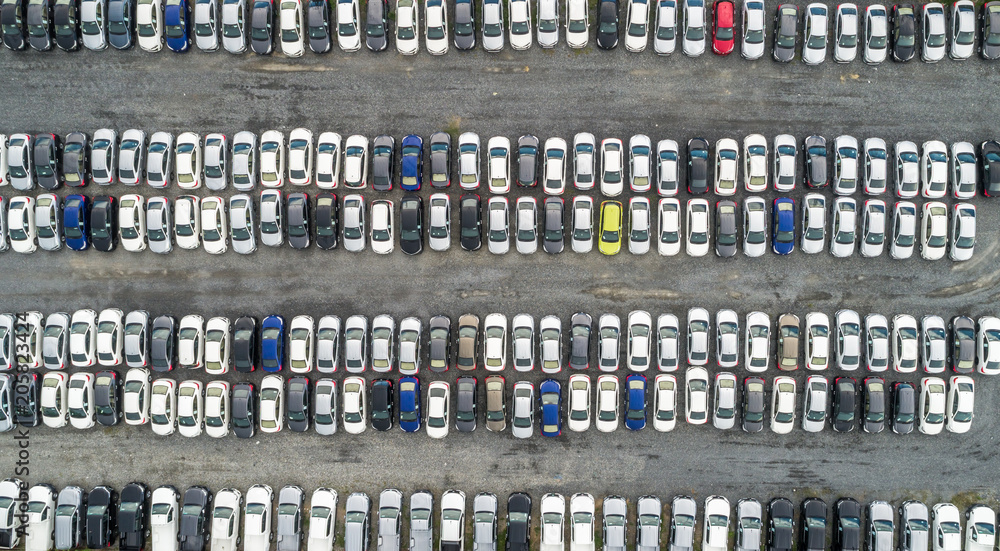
point(723, 32)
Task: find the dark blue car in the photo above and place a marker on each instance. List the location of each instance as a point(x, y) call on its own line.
point(175, 25)
point(635, 413)
point(409, 404)
point(272, 343)
point(783, 225)
point(75, 222)
point(550, 393)
point(411, 175)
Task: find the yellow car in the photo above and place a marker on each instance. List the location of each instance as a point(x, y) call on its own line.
point(611, 228)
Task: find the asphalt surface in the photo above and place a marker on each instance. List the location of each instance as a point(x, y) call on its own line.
point(555, 93)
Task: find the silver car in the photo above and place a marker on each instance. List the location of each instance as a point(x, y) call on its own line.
point(272, 227)
point(216, 163)
point(355, 344)
point(159, 161)
point(131, 157)
point(409, 346)
point(493, 28)
point(241, 223)
point(523, 342)
point(244, 160)
point(234, 31)
point(327, 344)
point(873, 224)
point(439, 230)
point(102, 156)
point(390, 520)
point(615, 510)
point(484, 527)
point(354, 223)
point(48, 222)
point(159, 225)
point(421, 521)
point(649, 517)
point(55, 341)
point(383, 347)
point(683, 511)
point(325, 417)
point(523, 419)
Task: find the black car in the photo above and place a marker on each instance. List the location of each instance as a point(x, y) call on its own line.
point(12, 24)
point(465, 24)
point(65, 21)
point(903, 25)
point(194, 528)
point(697, 169)
point(76, 152)
point(873, 419)
point(439, 343)
point(903, 407)
point(327, 220)
point(527, 161)
point(581, 327)
point(440, 159)
point(383, 159)
point(989, 164)
point(298, 403)
point(297, 212)
point(725, 228)
point(121, 20)
point(963, 344)
point(989, 18)
point(847, 521)
point(108, 397)
point(465, 411)
point(411, 224)
point(27, 395)
point(780, 524)
point(244, 406)
point(552, 238)
point(815, 175)
point(786, 32)
point(607, 24)
point(812, 525)
point(104, 223)
point(45, 152)
point(382, 404)
point(162, 348)
point(245, 344)
point(102, 517)
point(40, 24)
point(318, 21)
point(471, 220)
point(518, 521)
point(843, 407)
point(261, 31)
point(753, 404)
point(133, 517)
point(376, 25)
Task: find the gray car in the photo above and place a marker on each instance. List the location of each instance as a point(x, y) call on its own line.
point(466, 411)
point(552, 238)
point(815, 175)
point(357, 522)
point(299, 232)
point(725, 229)
point(963, 344)
point(390, 519)
point(748, 525)
point(70, 528)
point(785, 32)
point(289, 517)
point(581, 325)
point(440, 157)
point(383, 149)
point(484, 527)
point(683, 510)
point(913, 526)
point(421, 523)
point(615, 510)
point(648, 519)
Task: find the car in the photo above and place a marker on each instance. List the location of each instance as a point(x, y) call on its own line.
point(934, 169)
point(496, 406)
point(354, 223)
point(190, 408)
point(74, 157)
point(963, 170)
point(933, 230)
point(723, 29)
point(817, 344)
point(217, 409)
point(383, 152)
point(980, 525)
point(244, 157)
point(438, 400)
point(696, 381)
point(875, 166)
point(55, 341)
point(903, 401)
point(873, 406)
point(327, 220)
point(20, 154)
point(69, 526)
point(788, 342)
point(693, 41)
point(273, 354)
point(815, 400)
point(348, 34)
point(988, 48)
point(724, 411)
point(439, 343)
point(577, 24)
point(135, 343)
point(225, 519)
point(470, 221)
point(554, 166)
point(748, 524)
point(758, 342)
point(245, 348)
point(610, 239)
point(520, 24)
point(961, 396)
point(550, 397)
point(725, 228)
point(523, 418)
point(48, 222)
point(639, 225)
point(613, 525)
point(468, 342)
point(241, 224)
point(935, 41)
point(783, 405)
point(584, 146)
point(698, 327)
point(697, 164)
point(550, 342)
point(21, 228)
point(845, 148)
point(612, 167)
point(812, 533)
point(234, 21)
point(665, 35)
point(382, 344)
point(465, 411)
point(159, 225)
point(880, 526)
point(136, 396)
point(683, 510)
point(946, 527)
point(325, 412)
point(164, 518)
point(381, 226)
point(876, 34)
point(963, 339)
point(845, 47)
point(842, 412)
point(904, 228)
point(271, 411)
point(933, 344)
point(526, 238)
point(815, 175)
point(963, 232)
point(244, 403)
point(80, 400)
point(667, 155)
point(187, 221)
point(781, 524)
point(495, 342)
point(907, 171)
point(785, 32)
point(607, 24)
point(75, 215)
point(553, 226)
point(715, 532)
point(664, 402)
point(726, 164)
point(522, 342)
point(103, 223)
point(987, 351)
point(638, 25)
point(842, 243)
point(40, 22)
point(163, 407)
point(698, 229)
point(847, 519)
point(727, 330)
point(578, 404)
point(52, 403)
point(101, 518)
point(669, 243)
point(390, 522)
point(468, 160)
point(873, 228)
point(903, 23)
point(904, 343)
point(206, 33)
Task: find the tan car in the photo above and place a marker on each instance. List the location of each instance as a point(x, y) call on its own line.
point(468, 342)
point(788, 342)
point(496, 407)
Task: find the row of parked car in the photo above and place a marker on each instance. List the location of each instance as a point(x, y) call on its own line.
point(217, 408)
point(138, 340)
point(191, 160)
point(201, 521)
point(213, 223)
point(292, 26)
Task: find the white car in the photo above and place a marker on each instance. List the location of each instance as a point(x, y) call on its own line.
point(873, 226)
point(272, 232)
point(407, 27)
point(548, 23)
point(715, 533)
point(844, 230)
point(164, 519)
point(498, 151)
point(606, 419)
point(848, 324)
point(754, 226)
point(961, 402)
point(785, 162)
point(190, 408)
point(132, 222)
point(817, 345)
point(348, 15)
point(637, 25)
point(583, 224)
point(272, 159)
point(356, 161)
point(908, 170)
point(409, 346)
point(577, 23)
point(758, 342)
point(639, 225)
point(550, 344)
point(468, 160)
point(328, 160)
point(383, 347)
point(187, 221)
point(946, 524)
point(905, 348)
point(845, 49)
point(752, 45)
point(109, 337)
point(933, 344)
point(727, 338)
point(814, 36)
point(80, 400)
point(935, 31)
point(815, 399)
point(934, 170)
point(727, 159)
point(48, 222)
point(453, 519)
point(354, 405)
point(301, 339)
point(876, 166)
point(963, 231)
point(439, 223)
point(523, 414)
point(136, 396)
point(214, 231)
point(291, 26)
point(215, 161)
point(664, 403)
point(666, 166)
point(52, 403)
point(665, 37)
point(436, 28)
point(149, 24)
point(322, 520)
point(612, 169)
point(55, 341)
point(609, 331)
point(242, 223)
point(845, 149)
point(187, 159)
point(381, 227)
point(40, 513)
point(244, 161)
point(693, 41)
point(438, 398)
point(963, 170)
point(783, 405)
point(931, 405)
point(526, 238)
point(904, 230)
point(300, 151)
point(724, 411)
point(554, 169)
point(876, 34)
point(552, 511)
point(257, 518)
point(498, 230)
point(578, 405)
point(963, 29)
point(495, 342)
point(669, 242)
point(21, 225)
point(640, 333)
point(163, 406)
point(234, 25)
point(698, 229)
point(933, 230)
point(988, 345)
point(696, 380)
point(225, 527)
point(522, 331)
point(520, 24)
point(272, 395)
point(698, 336)
point(327, 344)
point(877, 342)
point(754, 155)
point(980, 528)
point(584, 146)
point(353, 216)
point(493, 33)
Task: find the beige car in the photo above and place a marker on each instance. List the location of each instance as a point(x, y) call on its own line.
point(468, 342)
point(788, 342)
point(496, 407)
